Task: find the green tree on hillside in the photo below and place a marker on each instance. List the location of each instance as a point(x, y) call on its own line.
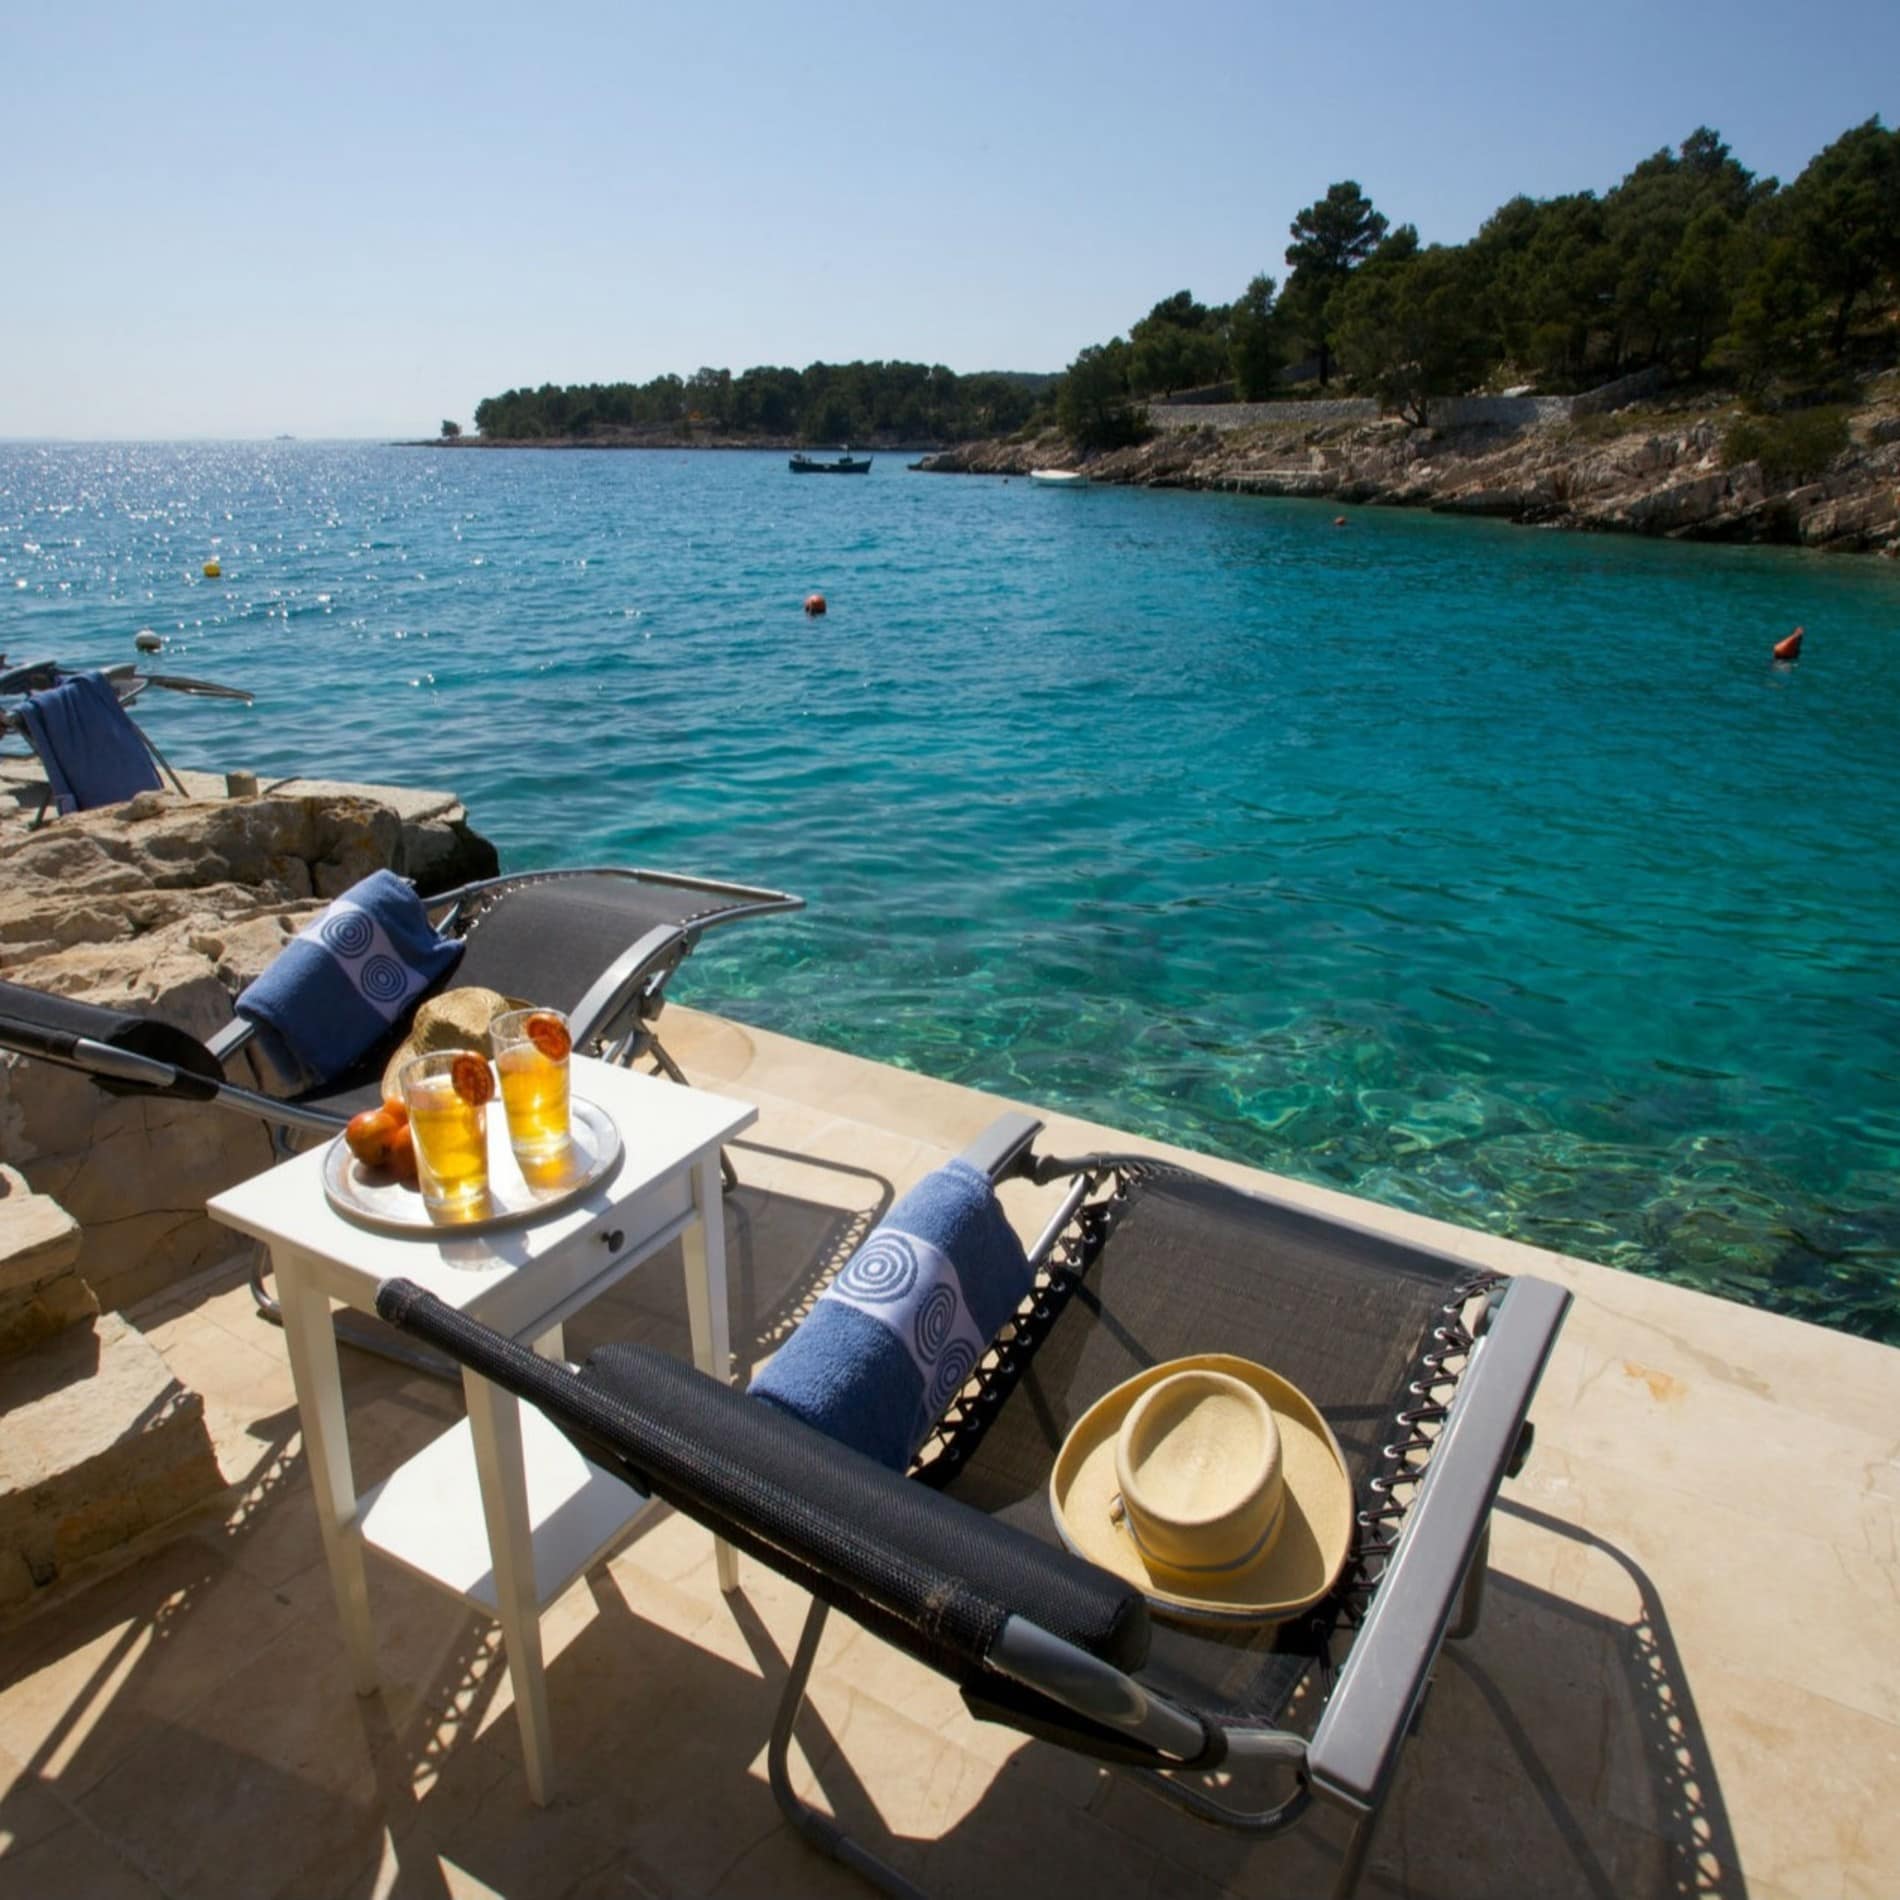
point(1406, 329)
point(1330, 237)
point(1179, 344)
point(1847, 204)
point(1254, 348)
point(1092, 405)
point(450, 430)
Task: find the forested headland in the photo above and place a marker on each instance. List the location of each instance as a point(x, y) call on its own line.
point(865, 403)
point(1692, 264)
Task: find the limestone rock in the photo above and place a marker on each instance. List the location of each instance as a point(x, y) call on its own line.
point(101, 1445)
point(40, 1294)
point(1546, 469)
point(171, 906)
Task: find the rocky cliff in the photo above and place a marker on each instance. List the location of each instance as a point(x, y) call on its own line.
point(172, 905)
point(1652, 469)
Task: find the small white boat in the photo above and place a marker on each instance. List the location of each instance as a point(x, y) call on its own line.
point(1059, 477)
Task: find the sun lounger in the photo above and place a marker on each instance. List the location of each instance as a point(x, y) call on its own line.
point(599, 944)
point(1423, 1366)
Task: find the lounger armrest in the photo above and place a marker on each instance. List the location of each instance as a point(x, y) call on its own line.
point(933, 1573)
point(616, 986)
point(999, 1150)
point(1357, 1742)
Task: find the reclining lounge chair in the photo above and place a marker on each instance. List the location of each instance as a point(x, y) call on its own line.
point(1424, 1368)
point(92, 751)
point(598, 944)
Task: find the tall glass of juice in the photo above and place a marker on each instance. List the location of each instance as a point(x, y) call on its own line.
point(447, 1093)
point(531, 1056)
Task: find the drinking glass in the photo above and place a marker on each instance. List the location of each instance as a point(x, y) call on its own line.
point(531, 1052)
point(447, 1093)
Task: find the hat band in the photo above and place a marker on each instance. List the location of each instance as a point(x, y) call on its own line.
point(1246, 1557)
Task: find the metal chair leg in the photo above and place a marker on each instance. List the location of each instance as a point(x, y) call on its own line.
point(823, 1833)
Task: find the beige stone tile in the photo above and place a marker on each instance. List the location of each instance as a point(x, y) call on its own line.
point(134, 1653)
point(29, 1808)
point(1732, 1584)
point(276, 1784)
point(72, 1864)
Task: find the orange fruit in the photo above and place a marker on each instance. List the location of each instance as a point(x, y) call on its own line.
point(549, 1034)
point(472, 1079)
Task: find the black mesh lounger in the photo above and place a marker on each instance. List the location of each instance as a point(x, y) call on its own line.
point(1424, 1367)
point(598, 944)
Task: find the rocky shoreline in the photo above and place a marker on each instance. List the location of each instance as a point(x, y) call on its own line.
point(1651, 469)
point(170, 906)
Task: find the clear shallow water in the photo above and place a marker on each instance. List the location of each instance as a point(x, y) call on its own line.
point(1486, 872)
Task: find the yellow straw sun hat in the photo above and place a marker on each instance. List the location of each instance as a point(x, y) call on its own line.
point(1213, 1485)
point(456, 1019)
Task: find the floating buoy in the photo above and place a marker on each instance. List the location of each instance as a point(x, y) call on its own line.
point(1789, 649)
point(814, 604)
point(147, 641)
point(1339, 521)
point(213, 571)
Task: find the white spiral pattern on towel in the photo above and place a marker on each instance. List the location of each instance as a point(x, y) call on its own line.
point(383, 979)
point(884, 1269)
point(931, 1324)
point(953, 1368)
point(910, 1288)
point(348, 932)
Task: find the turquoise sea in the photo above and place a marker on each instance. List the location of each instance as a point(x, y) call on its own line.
point(1486, 872)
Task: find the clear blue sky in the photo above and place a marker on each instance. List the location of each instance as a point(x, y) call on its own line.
point(344, 221)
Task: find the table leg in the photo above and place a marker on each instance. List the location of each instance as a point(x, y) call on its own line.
point(311, 1338)
point(704, 1246)
point(494, 1422)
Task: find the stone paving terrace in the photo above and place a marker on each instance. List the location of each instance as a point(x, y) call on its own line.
point(1687, 1681)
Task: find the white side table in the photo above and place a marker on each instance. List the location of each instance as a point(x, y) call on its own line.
point(501, 1510)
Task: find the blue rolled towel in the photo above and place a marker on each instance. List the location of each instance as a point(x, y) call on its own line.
point(91, 750)
point(335, 990)
point(897, 1333)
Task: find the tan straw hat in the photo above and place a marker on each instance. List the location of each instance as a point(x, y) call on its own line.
point(457, 1019)
point(1213, 1485)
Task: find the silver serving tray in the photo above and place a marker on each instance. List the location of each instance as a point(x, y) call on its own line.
point(372, 1198)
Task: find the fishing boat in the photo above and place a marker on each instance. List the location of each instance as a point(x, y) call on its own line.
point(1059, 477)
point(844, 465)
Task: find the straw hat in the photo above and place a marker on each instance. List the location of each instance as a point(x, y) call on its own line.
point(1213, 1485)
point(457, 1019)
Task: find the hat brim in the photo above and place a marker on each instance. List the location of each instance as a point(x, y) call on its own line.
point(1298, 1568)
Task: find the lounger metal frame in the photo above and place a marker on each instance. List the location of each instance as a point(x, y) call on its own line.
point(614, 1020)
point(1428, 1588)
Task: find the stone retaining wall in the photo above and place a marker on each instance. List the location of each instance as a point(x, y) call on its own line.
point(1246, 415)
point(1444, 412)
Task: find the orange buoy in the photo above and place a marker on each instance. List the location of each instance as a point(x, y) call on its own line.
point(1790, 648)
point(814, 604)
point(1339, 521)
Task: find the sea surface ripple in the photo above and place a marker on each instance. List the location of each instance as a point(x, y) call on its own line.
point(1489, 873)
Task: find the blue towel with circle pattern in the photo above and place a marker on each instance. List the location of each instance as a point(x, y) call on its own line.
point(339, 986)
point(898, 1332)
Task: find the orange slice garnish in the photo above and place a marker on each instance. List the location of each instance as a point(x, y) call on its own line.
point(471, 1079)
point(549, 1035)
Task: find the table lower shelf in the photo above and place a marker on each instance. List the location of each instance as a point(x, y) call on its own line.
point(427, 1515)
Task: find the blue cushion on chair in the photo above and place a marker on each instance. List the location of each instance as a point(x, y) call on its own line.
point(93, 753)
point(896, 1335)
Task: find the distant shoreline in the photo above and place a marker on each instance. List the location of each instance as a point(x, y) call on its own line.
point(782, 446)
